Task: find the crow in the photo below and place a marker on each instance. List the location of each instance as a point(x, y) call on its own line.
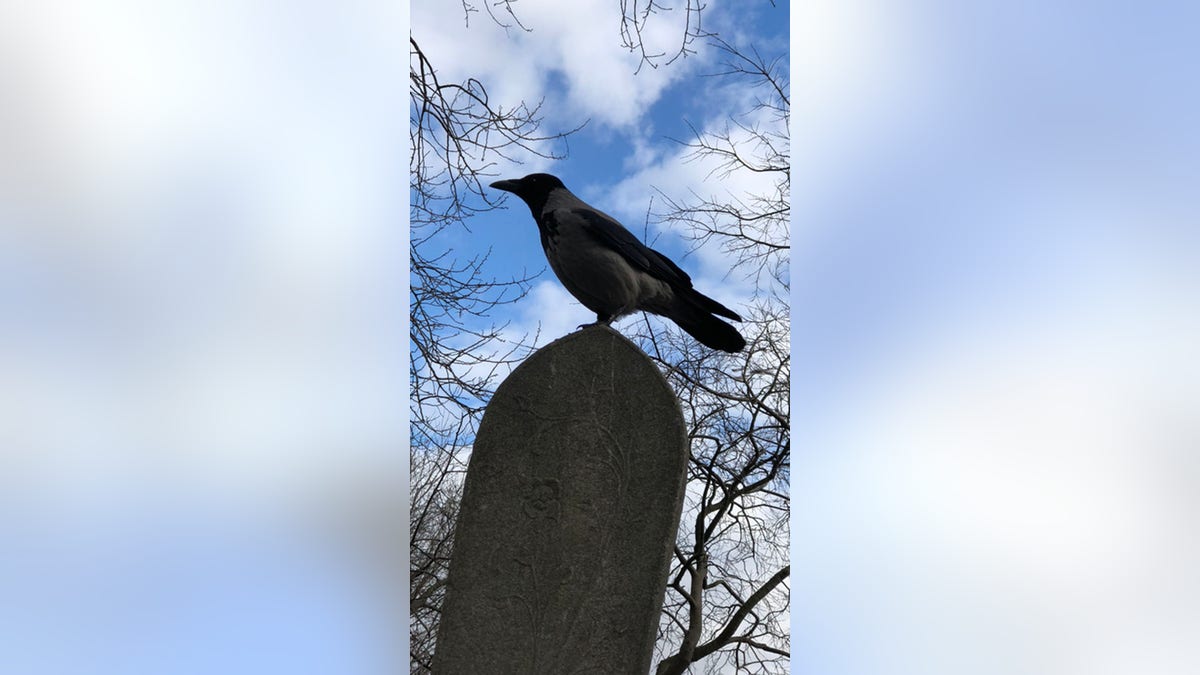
point(612, 273)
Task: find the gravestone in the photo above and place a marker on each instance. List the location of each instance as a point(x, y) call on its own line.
point(568, 519)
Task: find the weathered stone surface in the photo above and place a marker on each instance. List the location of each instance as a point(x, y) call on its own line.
point(569, 514)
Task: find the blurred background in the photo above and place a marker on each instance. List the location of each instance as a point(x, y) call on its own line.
point(202, 374)
point(996, 265)
point(996, 274)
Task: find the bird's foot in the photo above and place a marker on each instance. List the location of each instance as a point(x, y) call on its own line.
point(598, 322)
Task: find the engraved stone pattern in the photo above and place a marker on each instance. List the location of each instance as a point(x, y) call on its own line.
point(568, 519)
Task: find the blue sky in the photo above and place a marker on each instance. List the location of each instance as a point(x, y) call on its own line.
point(202, 270)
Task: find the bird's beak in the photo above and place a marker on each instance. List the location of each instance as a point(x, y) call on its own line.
point(506, 185)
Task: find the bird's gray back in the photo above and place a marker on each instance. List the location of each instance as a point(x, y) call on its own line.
point(598, 261)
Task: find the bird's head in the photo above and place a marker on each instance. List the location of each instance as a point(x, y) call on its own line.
point(532, 189)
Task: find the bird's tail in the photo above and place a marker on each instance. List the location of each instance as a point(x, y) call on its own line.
point(693, 312)
point(709, 305)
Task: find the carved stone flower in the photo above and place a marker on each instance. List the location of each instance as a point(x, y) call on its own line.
point(541, 501)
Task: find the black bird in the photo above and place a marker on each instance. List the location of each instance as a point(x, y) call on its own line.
point(612, 273)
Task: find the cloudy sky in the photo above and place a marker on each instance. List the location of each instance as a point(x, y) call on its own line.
point(202, 267)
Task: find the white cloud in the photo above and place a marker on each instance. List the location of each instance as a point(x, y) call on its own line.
point(581, 46)
point(550, 308)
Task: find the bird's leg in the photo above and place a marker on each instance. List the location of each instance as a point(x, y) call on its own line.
point(601, 320)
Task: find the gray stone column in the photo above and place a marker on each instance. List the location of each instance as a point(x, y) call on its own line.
point(568, 518)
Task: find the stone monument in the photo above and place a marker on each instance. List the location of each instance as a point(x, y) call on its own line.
point(569, 514)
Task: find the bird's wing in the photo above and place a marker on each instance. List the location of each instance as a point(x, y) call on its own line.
point(612, 234)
